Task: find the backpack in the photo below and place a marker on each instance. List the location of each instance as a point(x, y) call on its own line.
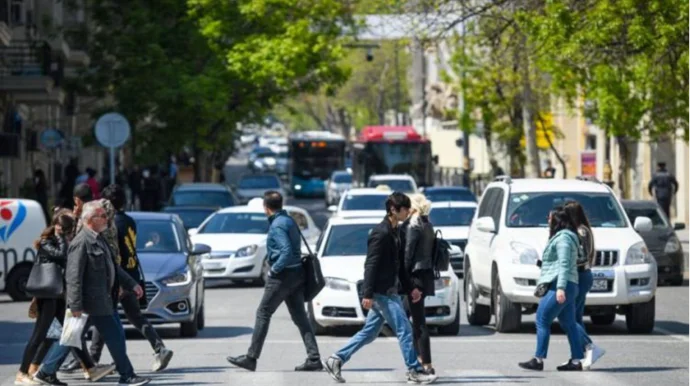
point(441, 254)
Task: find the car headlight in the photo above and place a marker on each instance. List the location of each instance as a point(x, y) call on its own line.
point(337, 284)
point(257, 164)
point(298, 187)
point(246, 251)
point(270, 161)
point(639, 254)
point(672, 245)
point(442, 283)
point(524, 254)
point(179, 279)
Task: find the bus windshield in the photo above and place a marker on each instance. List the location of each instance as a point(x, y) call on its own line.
point(413, 158)
point(317, 159)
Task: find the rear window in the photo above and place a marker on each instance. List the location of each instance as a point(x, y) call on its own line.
point(404, 186)
point(342, 178)
point(236, 223)
point(259, 182)
point(658, 219)
point(191, 218)
point(364, 202)
point(450, 195)
point(451, 216)
point(202, 198)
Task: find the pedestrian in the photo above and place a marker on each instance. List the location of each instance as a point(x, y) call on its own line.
point(549, 171)
point(93, 183)
point(417, 244)
point(92, 280)
point(122, 238)
point(286, 280)
point(68, 184)
point(151, 192)
point(384, 273)
point(41, 191)
point(663, 186)
point(559, 275)
point(585, 279)
point(134, 182)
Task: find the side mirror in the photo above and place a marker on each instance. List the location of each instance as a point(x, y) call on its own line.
point(332, 208)
point(200, 249)
point(679, 226)
point(192, 231)
point(643, 224)
point(486, 224)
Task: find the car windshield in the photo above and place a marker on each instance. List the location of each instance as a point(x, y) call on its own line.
point(440, 217)
point(236, 223)
point(259, 182)
point(450, 195)
point(531, 210)
point(344, 178)
point(659, 220)
point(202, 198)
point(347, 240)
point(365, 202)
point(404, 186)
point(191, 218)
point(156, 236)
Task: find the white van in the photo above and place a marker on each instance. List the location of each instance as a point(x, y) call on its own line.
point(21, 223)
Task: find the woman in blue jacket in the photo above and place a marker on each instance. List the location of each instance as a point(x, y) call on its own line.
point(559, 275)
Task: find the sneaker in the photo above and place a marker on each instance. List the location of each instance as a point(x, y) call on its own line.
point(333, 366)
point(99, 372)
point(162, 359)
point(421, 377)
point(24, 379)
point(134, 380)
point(244, 362)
point(532, 364)
point(570, 366)
point(45, 379)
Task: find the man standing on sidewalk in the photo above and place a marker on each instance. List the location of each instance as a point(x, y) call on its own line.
point(384, 273)
point(285, 283)
point(663, 186)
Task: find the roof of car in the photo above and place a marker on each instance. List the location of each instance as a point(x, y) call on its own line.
point(259, 175)
point(454, 204)
point(254, 208)
point(531, 185)
point(391, 177)
point(201, 186)
point(182, 208)
point(353, 220)
point(152, 216)
point(367, 192)
point(445, 189)
point(639, 203)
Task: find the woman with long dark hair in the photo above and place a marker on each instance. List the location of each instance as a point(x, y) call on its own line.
point(51, 247)
point(559, 277)
point(585, 279)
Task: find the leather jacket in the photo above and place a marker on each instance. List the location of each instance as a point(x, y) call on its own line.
point(53, 249)
point(419, 244)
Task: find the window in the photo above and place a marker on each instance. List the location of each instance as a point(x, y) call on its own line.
point(300, 219)
point(156, 236)
point(404, 186)
point(659, 220)
point(365, 202)
point(259, 182)
point(236, 223)
point(191, 218)
point(531, 210)
point(441, 195)
point(210, 198)
point(487, 198)
point(496, 207)
point(348, 240)
point(342, 178)
point(451, 216)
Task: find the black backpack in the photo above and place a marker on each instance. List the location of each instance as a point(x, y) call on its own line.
point(441, 254)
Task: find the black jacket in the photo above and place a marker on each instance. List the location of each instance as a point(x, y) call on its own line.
point(664, 185)
point(383, 268)
point(53, 249)
point(127, 244)
point(418, 236)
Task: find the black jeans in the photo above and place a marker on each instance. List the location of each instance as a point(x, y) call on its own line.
point(288, 287)
point(130, 304)
point(665, 204)
point(47, 311)
point(422, 341)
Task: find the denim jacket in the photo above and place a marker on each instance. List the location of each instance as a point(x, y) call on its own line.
point(283, 248)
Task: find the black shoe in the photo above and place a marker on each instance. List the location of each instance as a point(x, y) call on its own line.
point(532, 364)
point(570, 366)
point(244, 362)
point(310, 365)
point(70, 367)
point(45, 379)
point(134, 380)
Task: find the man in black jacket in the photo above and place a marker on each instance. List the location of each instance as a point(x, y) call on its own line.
point(129, 261)
point(384, 274)
point(663, 186)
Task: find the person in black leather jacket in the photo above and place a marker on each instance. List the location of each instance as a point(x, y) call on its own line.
point(417, 235)
point(51, 247)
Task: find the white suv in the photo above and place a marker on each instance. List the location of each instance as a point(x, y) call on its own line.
point(509, 233)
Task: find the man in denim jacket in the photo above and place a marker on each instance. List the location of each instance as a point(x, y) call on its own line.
point(286, 281)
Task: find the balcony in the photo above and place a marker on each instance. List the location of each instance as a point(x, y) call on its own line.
point(27, 68)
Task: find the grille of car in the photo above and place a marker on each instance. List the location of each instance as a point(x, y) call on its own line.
point(151, 291)
point(605, 259)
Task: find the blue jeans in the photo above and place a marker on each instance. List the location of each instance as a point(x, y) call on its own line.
point(584, 283)
point(385, 309)
point(548, 310)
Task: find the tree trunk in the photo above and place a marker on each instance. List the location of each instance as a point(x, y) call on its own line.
point(553, 148)
point(623, 166)
point(533, 169)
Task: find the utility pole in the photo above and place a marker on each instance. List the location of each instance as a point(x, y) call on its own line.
point(465, 132)
point(397, 84)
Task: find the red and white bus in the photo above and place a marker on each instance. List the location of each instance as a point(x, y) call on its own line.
point(392, 150)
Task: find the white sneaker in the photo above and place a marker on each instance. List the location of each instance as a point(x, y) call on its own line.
point(162, 359)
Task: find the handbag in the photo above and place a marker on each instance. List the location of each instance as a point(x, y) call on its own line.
point(541, 290)
point(45, 281)
point(314, 281)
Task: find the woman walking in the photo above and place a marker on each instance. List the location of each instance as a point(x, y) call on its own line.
point(419, 244)
point(559, 278)
point(585, 279)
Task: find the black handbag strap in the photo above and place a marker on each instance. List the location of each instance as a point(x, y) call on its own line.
point(302, 236)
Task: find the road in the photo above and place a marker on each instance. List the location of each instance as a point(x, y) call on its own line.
point(479, 355)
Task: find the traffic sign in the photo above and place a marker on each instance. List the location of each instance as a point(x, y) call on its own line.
point(112, 130)
point(51, 138)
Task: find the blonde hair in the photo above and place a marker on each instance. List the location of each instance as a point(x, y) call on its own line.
point(420, 204)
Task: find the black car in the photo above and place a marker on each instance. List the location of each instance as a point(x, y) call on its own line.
point(661, 240)
point(449, 193)
point(192, 216)
point(202, 194)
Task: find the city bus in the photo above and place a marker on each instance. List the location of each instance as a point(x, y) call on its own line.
point(392, 150)
point(313, 156)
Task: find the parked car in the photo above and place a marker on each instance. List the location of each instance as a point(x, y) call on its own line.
point(397, 182)
point(453, 220)
point(362, 202)
point(172, 271)
point(661, 240)
point(255, 185)
point(339, 183)
point(192, 216)
point(202, 194)
point(508, 235)
point(449, 193)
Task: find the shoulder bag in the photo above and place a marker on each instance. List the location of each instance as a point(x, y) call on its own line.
point(314, 281)
point(45, 281)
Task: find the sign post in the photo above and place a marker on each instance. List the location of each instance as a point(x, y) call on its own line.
point(112, 131)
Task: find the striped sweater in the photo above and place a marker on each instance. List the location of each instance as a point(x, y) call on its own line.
point(559, 261)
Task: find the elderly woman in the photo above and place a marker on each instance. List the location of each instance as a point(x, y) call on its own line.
point(417, 239)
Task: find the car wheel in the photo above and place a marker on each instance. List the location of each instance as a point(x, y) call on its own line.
point(315, 326)
point(16, 283)
point(454, 328)
point(190, 329)
point(477, 314)
point(640, 317)
point(603, 319)
point(201, 318)
point(508, 314)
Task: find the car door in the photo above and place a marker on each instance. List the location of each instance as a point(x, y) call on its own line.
point(480, 257)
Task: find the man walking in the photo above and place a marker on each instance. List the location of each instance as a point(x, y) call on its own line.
point(122, 240)
point(663, 186)
point(383, 275)
point(93, 280)
point(285, 284)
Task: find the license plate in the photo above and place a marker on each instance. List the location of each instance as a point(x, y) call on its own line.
point(600, 286)
point(213, 265)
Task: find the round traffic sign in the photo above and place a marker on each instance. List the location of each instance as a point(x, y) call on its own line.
point(51, 138)
point(112, 130)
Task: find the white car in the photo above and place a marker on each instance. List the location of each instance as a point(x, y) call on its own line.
point(342, 250)
point(361, 202)
point(453, 219)
point(237, 237)
point(509, 233)
point(397, 182)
